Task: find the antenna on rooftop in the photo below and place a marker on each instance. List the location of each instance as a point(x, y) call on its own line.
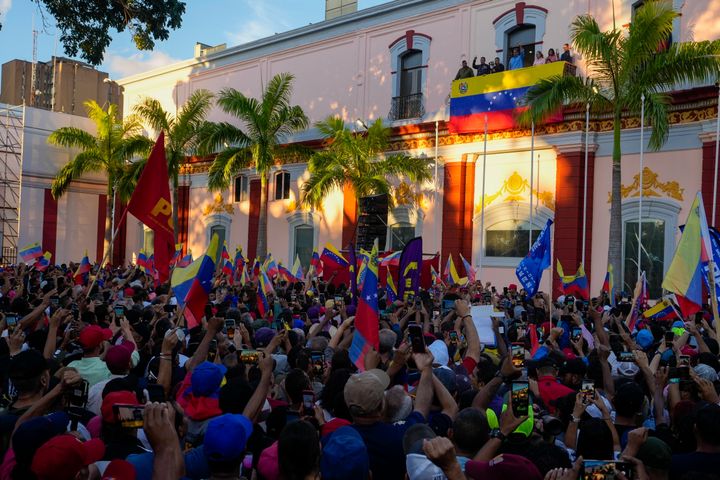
point(33, 75)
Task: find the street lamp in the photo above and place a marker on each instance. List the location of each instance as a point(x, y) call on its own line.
point(108, 81)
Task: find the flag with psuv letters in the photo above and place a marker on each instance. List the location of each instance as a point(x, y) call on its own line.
point(529, 271)
point(410, 268)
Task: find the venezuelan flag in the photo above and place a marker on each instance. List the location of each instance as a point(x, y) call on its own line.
point(684, 277)
point(264, 289)
point(436, 280)
point(609, 285)
point(176, 256)
point(270, 266)
point(185, 261)
point(225, 255)
point(192, 284)
point(576, 285)
point(390, 288)
point(452, 277)
point(43, 262)
point(639, 302)
point(30, 252)
point(284, 273)
point(227, 268)
point(331, 254)
point(367, 317)
point(391, 259)
point(469, 270)
point(81, 274)
point(316, 263)
point(297, 270)
point(500, 96)
point(662, 311)
point(142, 261)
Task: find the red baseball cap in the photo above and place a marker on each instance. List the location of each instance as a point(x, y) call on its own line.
point(502, 467)
point(118, 357)
point(119, 470)
point(122, 397)
point(62, 457)
point(92, 336)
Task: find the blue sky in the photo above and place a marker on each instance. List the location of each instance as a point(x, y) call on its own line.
point(208, 21)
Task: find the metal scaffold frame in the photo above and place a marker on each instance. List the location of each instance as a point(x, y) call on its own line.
point(12, 127)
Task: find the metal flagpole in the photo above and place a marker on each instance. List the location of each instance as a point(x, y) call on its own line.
point(532, 174)
point(482, 199)
point(642, 151)
point(717, 146)
point(437, 187)
point(587, 138)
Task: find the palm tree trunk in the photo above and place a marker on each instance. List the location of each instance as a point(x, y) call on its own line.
point(108, 225)
point(262, 221)
point(615, 240)
point(175, 208)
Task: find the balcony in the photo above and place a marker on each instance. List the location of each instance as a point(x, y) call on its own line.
point(407, 106)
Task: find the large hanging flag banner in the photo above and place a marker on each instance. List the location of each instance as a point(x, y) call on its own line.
point(150, 203)
point(500, 96)
point(367, 317)
point(715, 245)
point(469, 270)
point(529, 271)
point(575, 285)
point(609, 285)
point(662, 311)
point(690, 262)
point(192, 284)
point(81, 274)
point(410, 268)
point(30, 252)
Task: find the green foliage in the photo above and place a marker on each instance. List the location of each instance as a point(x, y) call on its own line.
point(85, 25)
point(356, 159)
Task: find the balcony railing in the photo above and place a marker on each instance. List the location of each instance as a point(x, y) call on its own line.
point(408, 106)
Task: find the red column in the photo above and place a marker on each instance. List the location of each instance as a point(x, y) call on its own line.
point(49, 235)
point(350, 216)
point(458, 207)
point(568, 226)
point(707, 180)
point(120, 239)
point(183, 215)
point(253, 218)
point(102, 218)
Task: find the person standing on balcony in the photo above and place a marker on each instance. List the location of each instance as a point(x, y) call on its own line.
point(482, 68)
point(516, 61)
point(497, 66)
point(539, 59)
point(566, 55)
point(551, 57)
point(464, 72)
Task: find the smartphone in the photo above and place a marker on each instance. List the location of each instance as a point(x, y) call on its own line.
point(317, 360)
point(249, 356)
point(453, 337)
point(178, 331)
point(129, 416)
point(55, 300)
point(518, 355)
point(683, 361)
point(169, 308)
point(576, 333)
point(520, 392)
point(587, 390)
point(416, 338)
point(627, 357)
point(606, 470)
point(154, 393)
point(212, 350)
point(308, 397)
point(78, 395)
point(11, 320)
point(338, 300)
point(501, 329)
point(119, 311)
point(436, 313)
point(683, 372)
point(698, 318)
point(230, 328)
point(447, 305)
point(669, 337)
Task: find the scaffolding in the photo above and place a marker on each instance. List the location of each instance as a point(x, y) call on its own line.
point(12, 123)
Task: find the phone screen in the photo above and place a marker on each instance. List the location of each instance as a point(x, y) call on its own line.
point(447, 305)
point(416, 338)
point(576, 333)
point(520, 398)
point(78, 395)
point(318, 362)
point(587, 390)
point(308, 401)
point(606, 470)
point(129, 416)
point(669, 337)
point(454, 337)
point(119, 311)
point(249, 356)
point(627, 357)
point(518, 355)
point(11, 319)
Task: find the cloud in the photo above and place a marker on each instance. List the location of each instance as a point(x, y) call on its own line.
point(263, 21)
point(121, 66)
point(5, 6)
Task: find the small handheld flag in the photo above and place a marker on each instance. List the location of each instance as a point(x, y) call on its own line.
point(576, 285)
point(30, 252)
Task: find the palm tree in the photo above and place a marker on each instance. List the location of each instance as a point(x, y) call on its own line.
point(356, 161)
point(622, 67)
point(184, 132)
point(267, 122)
point(109, 150)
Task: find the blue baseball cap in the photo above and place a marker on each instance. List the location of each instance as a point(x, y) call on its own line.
point(644, 338)
point(226, 437)
point(345, 456)
point(33, 433)
point(207, 379)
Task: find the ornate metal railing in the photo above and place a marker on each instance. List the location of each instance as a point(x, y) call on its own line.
point(408, 106)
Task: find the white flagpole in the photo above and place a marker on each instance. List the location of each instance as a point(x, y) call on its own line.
point(642, 151)
point(437, 187)
point(585, 189)
point(482, 199)
point(532, 174)
point(717, 146)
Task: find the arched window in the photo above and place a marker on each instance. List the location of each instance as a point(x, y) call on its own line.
point(659, 226)
point(240, 192)
point(220, 231)
point(304, 242)
point(523, 37)
point(405, 222)
point(409, 56)
point(282, 185)
point(400, 234)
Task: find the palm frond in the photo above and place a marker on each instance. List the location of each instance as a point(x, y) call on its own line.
point(599, 48)
point(277, 94)
point(192, 116)
point(128, 177)
point(656, 113)
point(226, 166)
point(218, 136)
point(651, 27)
point(289, 120)
point(131, 147)
point(320, 185)
point(152, 112)
point(72, 137)
point(549, 95)
point(416, 169)
point(84, 162)
point(238, 105)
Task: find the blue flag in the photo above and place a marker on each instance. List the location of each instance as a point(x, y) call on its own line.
point(529, 271)
point(410, 268)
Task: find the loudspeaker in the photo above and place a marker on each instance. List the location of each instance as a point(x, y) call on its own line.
point(372, 222)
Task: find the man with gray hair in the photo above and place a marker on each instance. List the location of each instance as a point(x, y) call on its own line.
point(387, 340)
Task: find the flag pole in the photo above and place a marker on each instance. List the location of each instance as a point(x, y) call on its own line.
point(713, 297)
point(585, 189)
point(482, 199)
point(532, 174)
point(642, 151)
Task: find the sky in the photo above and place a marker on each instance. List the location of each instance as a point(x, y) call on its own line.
point(208, 21)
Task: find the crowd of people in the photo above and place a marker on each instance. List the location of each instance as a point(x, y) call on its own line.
point(516, 61)
point(105, 381)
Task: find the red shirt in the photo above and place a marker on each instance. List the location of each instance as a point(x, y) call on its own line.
point(550, 390)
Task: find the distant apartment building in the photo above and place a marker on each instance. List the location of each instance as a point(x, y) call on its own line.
point(60, 85)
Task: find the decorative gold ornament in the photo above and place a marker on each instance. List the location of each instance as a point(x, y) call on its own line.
point(652, 187)
point(515, 187)
point(404, 194)
point(218, 206)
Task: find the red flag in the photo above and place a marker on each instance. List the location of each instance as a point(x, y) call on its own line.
point(151, 205)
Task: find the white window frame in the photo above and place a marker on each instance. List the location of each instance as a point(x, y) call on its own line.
point(243, 198)
point(404, 214)
point(217, 220)
point(289, 187)
point(531, 16)
point(419, 42)
point(297, 219)
point(519, 211)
